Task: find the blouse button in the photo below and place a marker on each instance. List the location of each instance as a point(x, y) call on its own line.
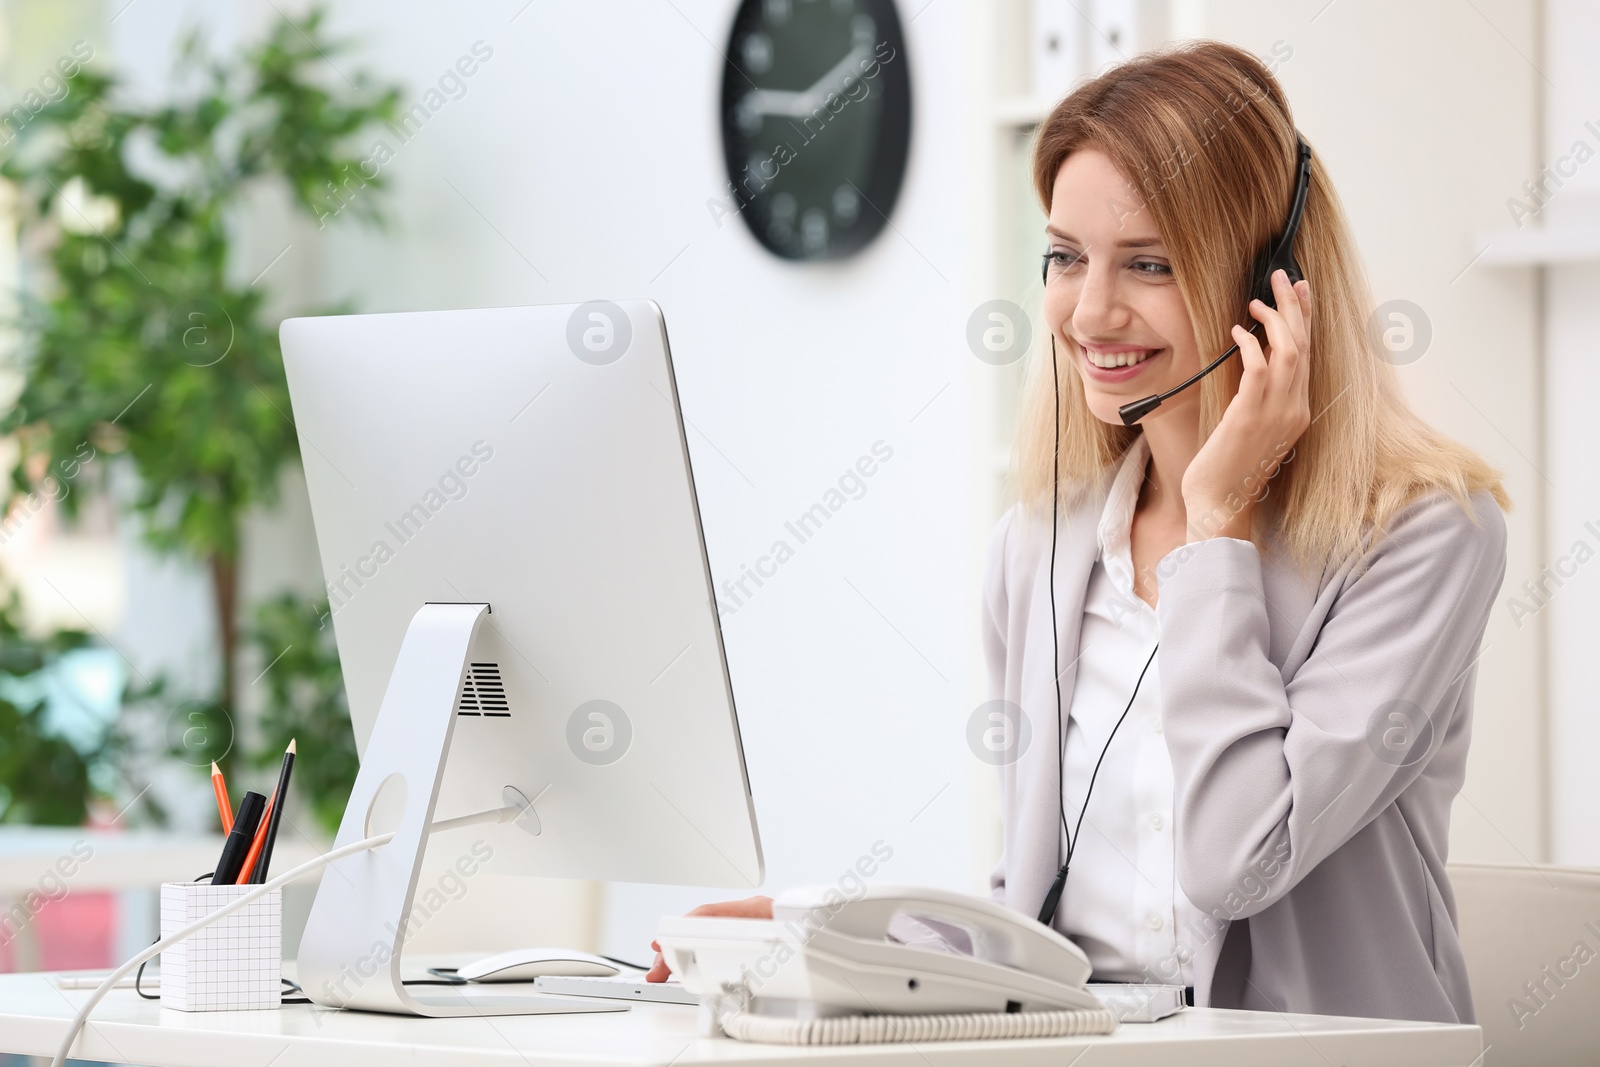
point(1154, 921)
point(1156, 822)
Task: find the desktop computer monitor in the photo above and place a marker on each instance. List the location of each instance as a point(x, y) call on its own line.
point(506, 518)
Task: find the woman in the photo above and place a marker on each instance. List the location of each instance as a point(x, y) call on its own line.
point(1267, 596)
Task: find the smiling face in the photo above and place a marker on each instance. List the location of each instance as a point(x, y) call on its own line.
point(1111, 298)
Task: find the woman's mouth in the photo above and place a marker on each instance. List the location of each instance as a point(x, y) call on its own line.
point(1116, 362)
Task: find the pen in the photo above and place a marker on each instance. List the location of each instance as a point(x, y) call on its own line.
point(256, 844)
point(259, 875)
point(224, 805)
point(238, 842)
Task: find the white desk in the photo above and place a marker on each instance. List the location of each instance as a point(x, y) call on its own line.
point(125, 1029)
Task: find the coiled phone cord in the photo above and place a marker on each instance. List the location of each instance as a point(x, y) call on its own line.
point(881, 1029)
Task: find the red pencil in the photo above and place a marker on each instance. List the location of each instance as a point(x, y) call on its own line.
point(224, 805)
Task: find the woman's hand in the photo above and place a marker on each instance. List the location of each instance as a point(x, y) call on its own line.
point(1229, 474)
point(748, 908)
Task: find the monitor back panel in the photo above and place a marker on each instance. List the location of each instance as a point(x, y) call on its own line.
point(473, 456)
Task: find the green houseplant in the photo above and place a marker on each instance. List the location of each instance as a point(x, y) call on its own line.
point(306, 701)
point(139, 341)
point(44, 777)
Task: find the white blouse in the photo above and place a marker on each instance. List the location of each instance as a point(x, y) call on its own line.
point(1122, 903)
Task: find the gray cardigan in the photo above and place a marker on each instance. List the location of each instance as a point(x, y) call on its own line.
point(1318, 727)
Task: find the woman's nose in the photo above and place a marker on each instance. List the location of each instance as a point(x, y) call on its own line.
point(1099, 309)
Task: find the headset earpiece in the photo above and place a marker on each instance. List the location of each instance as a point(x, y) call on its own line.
point(1280, 254)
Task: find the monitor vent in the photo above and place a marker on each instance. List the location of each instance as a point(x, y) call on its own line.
point(483, 693)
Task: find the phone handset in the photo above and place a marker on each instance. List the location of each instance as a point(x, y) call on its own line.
point(827, 968)
point(998, 933)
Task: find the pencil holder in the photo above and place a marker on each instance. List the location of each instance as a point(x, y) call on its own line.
point(235, 964)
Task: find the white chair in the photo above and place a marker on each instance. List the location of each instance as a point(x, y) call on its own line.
point(1532, 941)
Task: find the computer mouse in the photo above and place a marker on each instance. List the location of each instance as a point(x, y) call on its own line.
point(526, 964)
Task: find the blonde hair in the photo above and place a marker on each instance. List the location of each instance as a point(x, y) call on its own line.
point(1205, 133)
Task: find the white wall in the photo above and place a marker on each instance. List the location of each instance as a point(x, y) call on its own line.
point(1425, 113)
point(1572, 436)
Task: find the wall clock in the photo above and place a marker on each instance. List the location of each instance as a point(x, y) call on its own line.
point(816, 122)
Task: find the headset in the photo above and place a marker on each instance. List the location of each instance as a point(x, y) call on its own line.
point(1278, 255)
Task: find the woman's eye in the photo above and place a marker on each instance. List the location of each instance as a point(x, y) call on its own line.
point(1152, 269)
point(1063, 260)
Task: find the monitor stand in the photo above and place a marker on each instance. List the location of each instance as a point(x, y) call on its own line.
point(350, 952)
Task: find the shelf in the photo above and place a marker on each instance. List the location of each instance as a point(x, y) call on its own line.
point(1536, 246)
point(1021, 111)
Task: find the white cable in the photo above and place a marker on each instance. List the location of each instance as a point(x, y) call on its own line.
point(878, 1029)
point(493, 815)
point(200, 924)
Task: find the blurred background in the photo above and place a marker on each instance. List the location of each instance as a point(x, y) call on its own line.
point(180, 176)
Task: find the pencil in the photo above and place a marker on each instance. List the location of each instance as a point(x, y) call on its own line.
point(224, 805)
point(259, 875)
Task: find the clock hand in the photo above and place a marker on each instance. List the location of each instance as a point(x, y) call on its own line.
point(775, 102)
point(837, 73)
point(799, 105)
